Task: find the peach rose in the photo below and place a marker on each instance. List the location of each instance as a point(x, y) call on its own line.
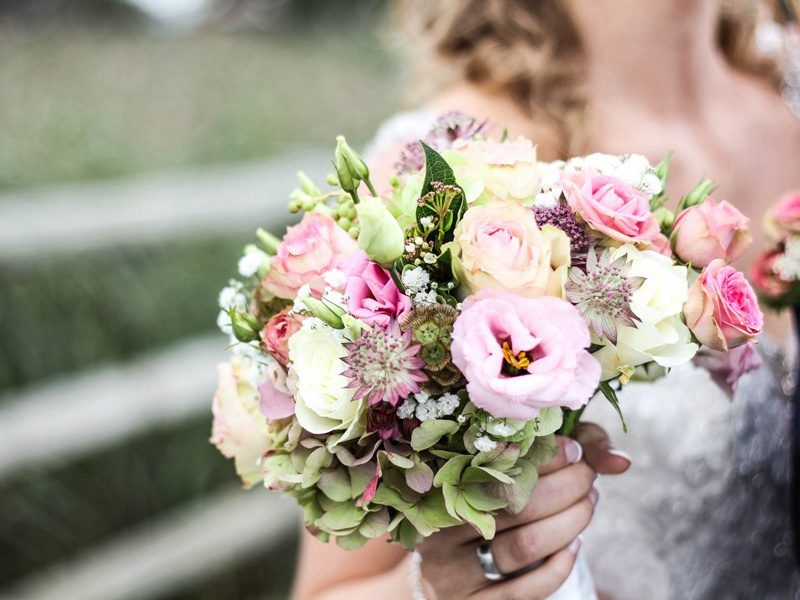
point(783, 219)
point(611, 206)
point(722, 310)
point(316, 245)
point(239, 430)
point(276, 333)
point(708, 231)
point(500, 246)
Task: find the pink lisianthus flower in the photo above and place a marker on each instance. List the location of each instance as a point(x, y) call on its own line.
point(521, 355)
point(276, 333)
point(722, 310)
point(727, 368)
point(784, 218)
point(372, 296)
point(239, 430)
point(276, 400)
point(316, 245)
point(707, 231)
point(611, 206)
point(764, 277)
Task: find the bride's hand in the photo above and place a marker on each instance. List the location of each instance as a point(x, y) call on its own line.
point(547, 529)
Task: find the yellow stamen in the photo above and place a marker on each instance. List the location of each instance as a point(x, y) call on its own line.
point(518, 361)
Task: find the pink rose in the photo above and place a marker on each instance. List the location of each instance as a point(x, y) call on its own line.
point(709, 230)
point(520, 355)
point(611, 206)
point(239, 430)
point(276, 399)
point(276, 333)
point(500, 246)
point(726, 368)
point(764, 277)
point(784, 217)
point(317, 244)
point(722, 310)
point(372, 296)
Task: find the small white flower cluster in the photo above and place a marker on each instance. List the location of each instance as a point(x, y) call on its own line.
point(419, 286)
point(303, 292)
point(550, 182)
point(420, 246)
point(231, 296)
point(426, 408)
point(633, 169)
point(787, 266)
point(483, 443)
point(252, 260)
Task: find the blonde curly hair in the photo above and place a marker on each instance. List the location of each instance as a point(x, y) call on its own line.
point(531, 51)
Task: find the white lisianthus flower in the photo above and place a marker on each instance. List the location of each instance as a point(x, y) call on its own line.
point(660, 335)
point(323, 402)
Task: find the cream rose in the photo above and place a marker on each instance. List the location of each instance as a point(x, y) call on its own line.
point(323, 403)
point(509, 169)
point(500, 246)
point(660, 335)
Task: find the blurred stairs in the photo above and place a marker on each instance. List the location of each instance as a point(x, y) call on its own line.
point(63, 427)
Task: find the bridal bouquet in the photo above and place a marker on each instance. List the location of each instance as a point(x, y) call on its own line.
point(776, 272)
point(401, 360)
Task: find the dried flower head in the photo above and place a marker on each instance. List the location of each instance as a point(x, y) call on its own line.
point(602, 293)
point(561, 217)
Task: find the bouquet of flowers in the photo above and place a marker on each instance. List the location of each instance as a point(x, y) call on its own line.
point(776, 272)
point(402, 360)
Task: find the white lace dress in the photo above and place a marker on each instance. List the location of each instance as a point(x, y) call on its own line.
point(703, 513)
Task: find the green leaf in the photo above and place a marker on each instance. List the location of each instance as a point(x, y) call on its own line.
point(319, 459)
point(481, 521)
point(611, 396)
point(437, 169)
point(496, 475)
point(351, 541)
point(519, 492)
point(542, 451)
point(360, 476)
point(390, 497)
point(430, 514)
point(335, 484)
point(375, 524)
point(396, 459)
point(408, 535)
point(344, 517)
point(430, 432)
point(550, 420)
point(451, 471)
point(482, 497)
point(420, 476)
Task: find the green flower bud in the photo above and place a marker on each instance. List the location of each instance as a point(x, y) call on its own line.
point(329, 312)
point(332, 179)
point(268, 241)
point(343, 210)
point(308, 186)
point(345, 224)
point(245, 326)
point(346, 181)
point(381, 237)
point(665, 218)
point(294, 207)
point(698, 194)
point(355, 164)
point(354, 232)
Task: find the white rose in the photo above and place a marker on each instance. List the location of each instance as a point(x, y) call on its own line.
point(661, 335)
point(509, 169)
point(323, 403)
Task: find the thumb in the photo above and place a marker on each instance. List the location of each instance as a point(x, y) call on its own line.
point(598, 451)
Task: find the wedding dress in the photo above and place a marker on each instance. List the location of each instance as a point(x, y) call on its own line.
point(703, 512)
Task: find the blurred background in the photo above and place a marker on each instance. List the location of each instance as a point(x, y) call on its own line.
point(141, 144)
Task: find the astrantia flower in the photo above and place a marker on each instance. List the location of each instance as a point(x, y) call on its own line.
point(603, 292)
point(384, 365)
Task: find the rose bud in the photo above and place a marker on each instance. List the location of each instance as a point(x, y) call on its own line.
point(709, 231)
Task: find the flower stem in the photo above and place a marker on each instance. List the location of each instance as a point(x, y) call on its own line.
point(571, 419)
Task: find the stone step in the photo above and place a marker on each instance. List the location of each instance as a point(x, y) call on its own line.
point(173, 553)
point(65, 418)
point(152, 208)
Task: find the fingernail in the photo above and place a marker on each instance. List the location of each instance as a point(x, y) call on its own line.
point(574, 451)
point(620, 453)
point(593, 496)
point(574, 545)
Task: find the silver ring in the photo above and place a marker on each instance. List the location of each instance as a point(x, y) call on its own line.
point(486, 560)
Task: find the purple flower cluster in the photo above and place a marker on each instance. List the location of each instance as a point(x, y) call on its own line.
point(561, 217)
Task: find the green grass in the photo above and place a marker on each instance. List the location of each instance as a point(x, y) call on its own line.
point(86, 103)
